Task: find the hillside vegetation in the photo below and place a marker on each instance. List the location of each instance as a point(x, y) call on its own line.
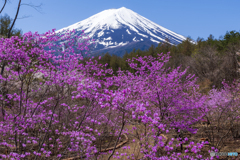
point(211, 60)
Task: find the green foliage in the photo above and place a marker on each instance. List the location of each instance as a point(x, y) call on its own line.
point(186, 47)
point(106, 59)
point(231, 38)
point(5, 24)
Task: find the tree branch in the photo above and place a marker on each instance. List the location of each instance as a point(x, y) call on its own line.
point(33, 6)
point(3, 6)
point(123, 123)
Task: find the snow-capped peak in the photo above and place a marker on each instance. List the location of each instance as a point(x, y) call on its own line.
point(118, 27)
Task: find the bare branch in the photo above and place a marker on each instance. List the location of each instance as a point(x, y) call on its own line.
point(3, 6)
point(33, 6)
point(24, 17)
point(9, 32)
point(123, 123)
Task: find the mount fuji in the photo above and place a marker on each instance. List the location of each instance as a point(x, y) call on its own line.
point(119, 30)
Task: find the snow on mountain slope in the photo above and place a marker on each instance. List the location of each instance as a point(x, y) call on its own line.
point(118, 27)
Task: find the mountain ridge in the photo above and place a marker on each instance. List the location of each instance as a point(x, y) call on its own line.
point(115, 28)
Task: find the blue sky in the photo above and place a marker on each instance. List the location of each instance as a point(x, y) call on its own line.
point(194, 18)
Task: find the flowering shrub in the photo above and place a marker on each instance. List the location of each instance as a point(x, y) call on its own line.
point(223, 114)
point(71, 106)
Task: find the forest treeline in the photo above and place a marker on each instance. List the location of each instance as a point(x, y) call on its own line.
point(211, 60)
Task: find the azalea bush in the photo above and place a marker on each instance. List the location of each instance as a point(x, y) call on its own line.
point(223, 115)
point(53, 107)
point(158, 101)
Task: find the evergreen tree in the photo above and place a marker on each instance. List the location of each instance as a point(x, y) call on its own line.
point(231, 38)
point(124, 61)
point(163, 47)
point(114, 63)
point(5, 23)
point(151, 50)
point(186, 47)
point(106, 59)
